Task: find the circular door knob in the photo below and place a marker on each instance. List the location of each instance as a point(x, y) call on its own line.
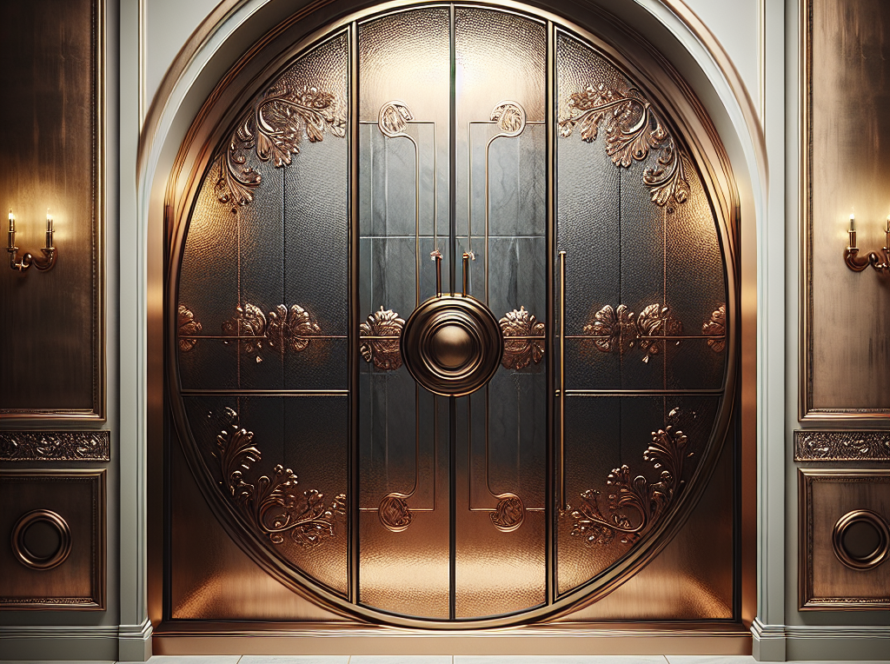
point(452, 345)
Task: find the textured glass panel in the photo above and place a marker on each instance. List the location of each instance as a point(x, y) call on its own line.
point(605, 433)
point(500, 430)
point(403, 65)
point(691, 578)
point(316, 444)
point(208, 288)
point(404, 572)
point(500, 58)
point(487, 556)
point(307, 435)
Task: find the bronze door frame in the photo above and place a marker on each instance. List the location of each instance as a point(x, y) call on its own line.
point(580, 595)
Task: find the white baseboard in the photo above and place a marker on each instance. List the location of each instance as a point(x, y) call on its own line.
point(125, 643)
point(134, 642)
point(24, 643)
point(769, 642)
point(839, 642)
point(779, 643)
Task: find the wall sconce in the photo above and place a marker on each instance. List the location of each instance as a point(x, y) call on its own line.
point(857, 264)
point(26, 261)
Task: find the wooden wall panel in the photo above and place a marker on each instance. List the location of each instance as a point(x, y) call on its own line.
point(846, 137)
point(52, 337)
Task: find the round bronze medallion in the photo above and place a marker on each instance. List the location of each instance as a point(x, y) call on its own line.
point(452, 345)
point(861, 539)
point(41, 540)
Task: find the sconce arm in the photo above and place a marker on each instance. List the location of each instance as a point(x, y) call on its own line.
point(854, 261)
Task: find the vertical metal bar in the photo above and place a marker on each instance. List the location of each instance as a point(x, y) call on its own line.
point(466, 272)
point(353, 514)
point(452, 208)
point(562, 380)
point(550, 120)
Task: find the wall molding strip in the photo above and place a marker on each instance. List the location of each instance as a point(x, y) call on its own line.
point(55, 445)
point(841, 445)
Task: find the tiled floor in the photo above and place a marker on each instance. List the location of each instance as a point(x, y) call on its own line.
point(460, 659)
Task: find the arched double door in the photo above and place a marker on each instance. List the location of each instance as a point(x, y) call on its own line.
point(451, 319)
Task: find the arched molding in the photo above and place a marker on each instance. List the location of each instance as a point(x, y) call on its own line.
point(236, 27)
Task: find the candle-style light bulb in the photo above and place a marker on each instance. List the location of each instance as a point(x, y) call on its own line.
point(49, 229)
point(11, 235)
point(852, 222)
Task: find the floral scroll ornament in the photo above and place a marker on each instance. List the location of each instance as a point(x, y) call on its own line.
point(380, 338)
point(274, 128)
point(716, 327)
point(283, 329)
point(633, 128)
point(394, 513)
point(273, 505)
point(393, 118)
point(529, 347)
point(616, 330)
point(290, 329)
point(188, 327)
point(509, 513)
point(510, 118)
point(635, 504)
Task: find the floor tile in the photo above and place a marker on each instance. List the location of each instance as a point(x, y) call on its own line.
point(294, 659)
point(195, 659)
point(560, 659)
point(400, 659)
point(710, 659)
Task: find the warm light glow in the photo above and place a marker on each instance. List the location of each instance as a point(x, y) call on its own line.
point(852, 222)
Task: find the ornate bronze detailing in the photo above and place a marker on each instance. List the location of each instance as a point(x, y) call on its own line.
point(380, 339)
point(394, 513)
point(716, 327)
point(272, 505)
point(393, 118)
point(452, 345)
point(274, 128)
point(55, 445)
point(291, 329)
point(58, 553)
point(509, 513)
point(523, 339)
point(842, 446)
point(509, 117)
point(881, 262)
point(616, 330)
point(861, 539)
point(632, 127)
point(650, 501)
point(187, 326)
point(284, 329)
point(22, 264)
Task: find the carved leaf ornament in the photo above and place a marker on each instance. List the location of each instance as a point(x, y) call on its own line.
point(617, 330)
point(273, 505)
point(520, 353)
point(284, 329)
point(383, 352)
point(273, 128)
point(632, 128)
point(634, 504)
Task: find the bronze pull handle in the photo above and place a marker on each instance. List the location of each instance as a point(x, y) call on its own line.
point(466, 287)
point(562, 380)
